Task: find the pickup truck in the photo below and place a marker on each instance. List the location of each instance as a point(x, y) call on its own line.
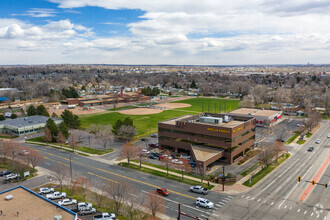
point(198, 189)
point(87, 211)
point(56, 195)
point(104, 216)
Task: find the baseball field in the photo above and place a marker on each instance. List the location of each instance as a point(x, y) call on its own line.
point(147, 122)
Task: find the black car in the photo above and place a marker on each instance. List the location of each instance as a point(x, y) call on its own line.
point(152, 156)
point(144, 139)
point(5, 172)
point(310, 149)
point(156, 154)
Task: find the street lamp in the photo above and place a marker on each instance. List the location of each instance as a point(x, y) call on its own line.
point(84, 197)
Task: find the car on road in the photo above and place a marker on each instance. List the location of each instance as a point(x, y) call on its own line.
point(67, 202)
point(300, 125)
point(177, 161)
point(12, 176)
point(153, 145)
point(5, 172)
point(317, 141)
point(162, 191)
point(46, 190)
point(310, 149)
point(204, 203)
point(56, 195)
point(154, 135)
point(198, 189)
point(104, 216)
point(24, 152)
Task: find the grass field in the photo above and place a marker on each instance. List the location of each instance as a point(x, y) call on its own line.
point(146, 124)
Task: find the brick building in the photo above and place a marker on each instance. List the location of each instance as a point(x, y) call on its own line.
point(209, 137)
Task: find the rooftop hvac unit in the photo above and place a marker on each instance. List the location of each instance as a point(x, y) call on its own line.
point(9, 197)
point(58, 217)
point(211, 120)
point(226, 118)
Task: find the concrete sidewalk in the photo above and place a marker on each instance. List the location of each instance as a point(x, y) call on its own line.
point(164, 171)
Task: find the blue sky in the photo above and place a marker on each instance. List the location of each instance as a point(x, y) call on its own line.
point(215, 32)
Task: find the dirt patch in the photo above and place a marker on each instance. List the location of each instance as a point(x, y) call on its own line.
point(173, 105)
point(140, 111)
point(76, 111)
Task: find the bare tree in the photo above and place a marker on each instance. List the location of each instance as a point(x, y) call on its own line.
point(73, 141)
point(60, 173)
point(13, 149)
point(166, 161)
point(184, 167)
point(280, 131)
point(127, 132)
point(141, 154)
point(155, 203)
point(98, 195)
point(248, 101)
point(118, 192)
point(313, 120)
point(128, 151)
point(4, 150)
point(60, 138)
point(79, 134)
point(133, 207)
point(48, 135)
point(278, 148)
point(34, 158)
point(104, 135)
point(201, 172)
point(266, 155)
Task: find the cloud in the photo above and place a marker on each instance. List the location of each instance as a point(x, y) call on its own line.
point(39, 13)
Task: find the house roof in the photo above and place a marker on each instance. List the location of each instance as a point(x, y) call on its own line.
point(27, 121)
point(203, 153)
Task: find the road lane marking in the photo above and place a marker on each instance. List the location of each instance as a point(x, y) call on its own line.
point(305, 212)
point(216, 215)
point(259, 200)
point(265, 201)
point(298, 210)
point(248, 197)
point(177, 203)
point(221, 203)
point(316, 178)
point(318, 216)
point(57, 161)
point(294, 187)
point(277, 178)
point(116, 174)
point(253, 198)
point(312, 214)
point(272, 203)
point(285, 207)
point(230, 197)
point(242, 196)
point(218, 205)
point(290, 207)
point(103, 177)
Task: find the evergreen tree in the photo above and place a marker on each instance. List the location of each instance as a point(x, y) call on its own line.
point(116, 126)
point(50, 124)
point(193, 84)
point(41, 110)
point(13, 116)
point(71, 120)
point(54, 115)
point(83, 88)
point(31, 110)
point(2, 118)
point(48, 135)
point(64, 130)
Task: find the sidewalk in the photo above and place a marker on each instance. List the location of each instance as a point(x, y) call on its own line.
point(164, 171)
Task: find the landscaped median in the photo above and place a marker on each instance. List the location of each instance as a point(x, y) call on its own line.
point(85, 151)
point(162, 172)
point(263, 172)
point(291, 139)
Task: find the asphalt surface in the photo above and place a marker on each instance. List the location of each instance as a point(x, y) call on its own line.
point(278, 195)
point(98, 171)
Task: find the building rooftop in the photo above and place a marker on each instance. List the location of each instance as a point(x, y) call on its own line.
point(254, 112)
point(26, 204)
point(27, 121)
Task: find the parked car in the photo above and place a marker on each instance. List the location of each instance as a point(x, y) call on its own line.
point(104, 216)
point(83, 205)
point(156, 154)
point(317, 141)
point(5, 172)
point(144, 139)
point(86, 211)
point(310, 149)
point(192, 163)
point(56, 195)
point(328, 135)
point(24, 152)
point(162, 191)
point(198, 189)
point(12, 176)
point(204, 203)
point(177, 161)
point(154, 135)
point(187, 157)
point(153, 145)
point(67, 202)
point(153, 156)
point(165, 157)
point(46, 190)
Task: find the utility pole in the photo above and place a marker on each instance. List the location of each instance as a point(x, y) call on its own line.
point(70, 168)
point(223, 178)
point(89, 141)
point(185, 214)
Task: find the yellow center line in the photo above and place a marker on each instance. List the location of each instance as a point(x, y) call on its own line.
point(116, 174)
point(102, 177)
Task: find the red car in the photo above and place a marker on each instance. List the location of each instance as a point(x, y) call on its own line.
point(162, 191)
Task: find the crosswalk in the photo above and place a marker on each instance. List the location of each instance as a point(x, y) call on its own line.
point(217, 205)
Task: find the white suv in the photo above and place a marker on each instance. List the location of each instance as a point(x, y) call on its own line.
point(204, 203)
point(46, 190)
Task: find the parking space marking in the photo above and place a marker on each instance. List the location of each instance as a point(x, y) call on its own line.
point(272, 203)
point(290, 207)
point(259, 200)
point(242, 196)
point(312, 214)
point(305, 212)
point(221, 203)
point(284, 207)
point(218, 205)
point(265, 201)
point(231, 197)
point(298, 210)
point(248, 197)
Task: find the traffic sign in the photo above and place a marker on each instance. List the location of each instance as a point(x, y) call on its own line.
point(299, 179)
point(326, 185)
